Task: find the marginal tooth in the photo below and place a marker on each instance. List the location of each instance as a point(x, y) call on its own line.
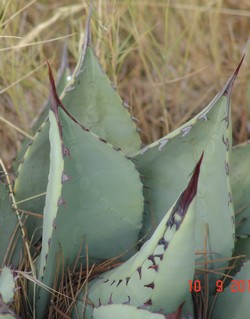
point(226, 142)
point(226, 120)
point(30, 143)
point(127, 280)
point(151, 285)
point(84, 128)
point(227, 168)
point(142, 151)
point(102, 140)
point(186, 130)
point(110, 299)
point(162, 143)
point(152, 259)
point(203, 117)
point(65, 151)
point(126, 105)
point(233, 220)
point(65, 177)
point(230, 199)
point(162, 242)
point(148, 303)
point(69, 88)
point(127, 302)
point(54, 224)
point(133, 118)
point(155, 267)
point(139, 271)
point(61, 201)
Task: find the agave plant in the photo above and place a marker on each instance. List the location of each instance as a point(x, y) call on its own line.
point(85, 174)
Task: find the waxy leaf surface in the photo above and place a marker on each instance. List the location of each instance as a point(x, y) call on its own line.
point(90, 97)
point(94, 199)
point(154, 278)
point(166, 165)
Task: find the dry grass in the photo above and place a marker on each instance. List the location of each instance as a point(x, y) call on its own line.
point(167, 59)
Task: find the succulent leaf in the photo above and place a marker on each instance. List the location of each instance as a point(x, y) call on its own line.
point(233, 302)
point(90, 97)
point(95, 192)
point(53, 196)
point(32, 179)
point(34, 155)
point(241, 187)
point(154, 278)
point(54, 188)
point(166, 165)
point(10, 235)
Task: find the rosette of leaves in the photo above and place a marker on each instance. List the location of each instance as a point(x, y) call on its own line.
point(77, 175)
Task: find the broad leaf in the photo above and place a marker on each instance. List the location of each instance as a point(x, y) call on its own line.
point(166, 165)
point(154, 278)
point(90, 97)
point(94, 193)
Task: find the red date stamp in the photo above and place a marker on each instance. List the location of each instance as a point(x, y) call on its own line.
point(235, 286)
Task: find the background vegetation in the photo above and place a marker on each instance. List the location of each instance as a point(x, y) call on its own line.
point(167, 58)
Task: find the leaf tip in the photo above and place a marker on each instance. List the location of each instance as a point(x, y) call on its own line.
point(228, 87)
point(191, 190)
point(54, 99)
point(87, 40)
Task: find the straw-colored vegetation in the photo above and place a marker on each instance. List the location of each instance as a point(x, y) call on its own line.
point(166, 58)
